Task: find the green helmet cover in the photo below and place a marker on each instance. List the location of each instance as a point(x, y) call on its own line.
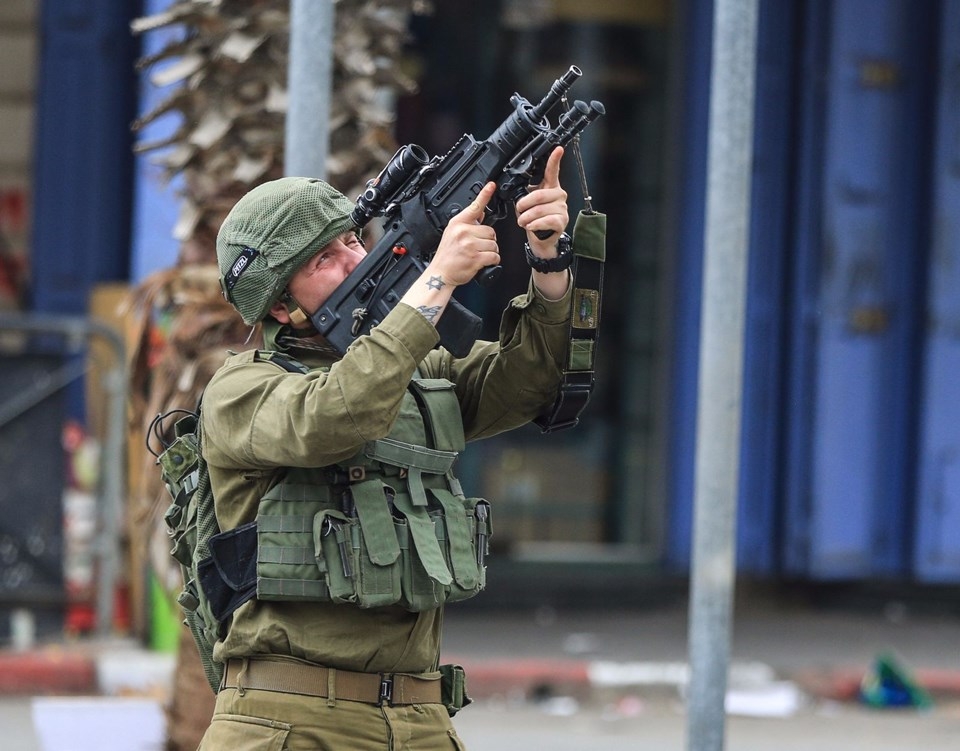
point(270, 233)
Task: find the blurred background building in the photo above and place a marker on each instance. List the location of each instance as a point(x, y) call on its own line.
point(851, 435)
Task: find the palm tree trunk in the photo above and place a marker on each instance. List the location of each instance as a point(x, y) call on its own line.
point(192, 707)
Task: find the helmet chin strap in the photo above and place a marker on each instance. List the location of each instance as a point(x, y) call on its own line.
point(297, 316)
point(295, 311)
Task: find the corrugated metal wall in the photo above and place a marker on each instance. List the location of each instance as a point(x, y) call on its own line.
point(936, 555)
point(85, 104)
point(851, 442)
point(851, 499)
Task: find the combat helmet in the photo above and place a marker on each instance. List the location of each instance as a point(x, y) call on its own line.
point(270, 233)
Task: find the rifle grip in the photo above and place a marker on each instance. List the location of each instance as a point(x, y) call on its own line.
point(544, 234)
point(488, 275)
point(458, 329)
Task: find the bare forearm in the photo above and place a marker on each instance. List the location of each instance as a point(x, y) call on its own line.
point(429, 295)
point(552, 286)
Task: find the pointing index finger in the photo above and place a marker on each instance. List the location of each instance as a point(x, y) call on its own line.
point(474, 211)
point(551, 172)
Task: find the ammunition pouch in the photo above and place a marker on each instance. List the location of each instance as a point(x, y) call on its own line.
point(453, 688)
point(374, 548)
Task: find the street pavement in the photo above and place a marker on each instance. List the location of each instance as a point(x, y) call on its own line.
point(569, 679)
point(634, 724)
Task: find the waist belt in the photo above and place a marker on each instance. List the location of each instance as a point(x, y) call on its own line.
point(392, 689)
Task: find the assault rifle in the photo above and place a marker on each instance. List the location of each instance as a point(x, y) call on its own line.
point(417, 196)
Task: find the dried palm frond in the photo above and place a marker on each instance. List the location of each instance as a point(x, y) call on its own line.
point(230, 64)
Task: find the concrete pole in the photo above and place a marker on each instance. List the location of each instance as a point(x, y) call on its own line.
point(726, 239)
point(309, 77)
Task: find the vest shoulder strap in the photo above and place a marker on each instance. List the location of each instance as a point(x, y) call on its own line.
point(281, 360)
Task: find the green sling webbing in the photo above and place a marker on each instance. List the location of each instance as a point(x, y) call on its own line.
point(589, 251)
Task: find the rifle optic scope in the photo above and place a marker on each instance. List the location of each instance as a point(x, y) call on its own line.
point(384, 187)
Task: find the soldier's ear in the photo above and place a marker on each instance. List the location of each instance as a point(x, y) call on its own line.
point(279, 311)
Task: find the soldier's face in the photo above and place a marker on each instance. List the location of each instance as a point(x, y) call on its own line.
point(316, 280)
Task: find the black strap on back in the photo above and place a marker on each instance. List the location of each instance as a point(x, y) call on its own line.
point(282, 360)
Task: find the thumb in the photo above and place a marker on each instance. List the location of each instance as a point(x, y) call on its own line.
point(474, 210)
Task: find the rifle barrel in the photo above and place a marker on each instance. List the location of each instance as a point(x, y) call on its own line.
point(560, 87)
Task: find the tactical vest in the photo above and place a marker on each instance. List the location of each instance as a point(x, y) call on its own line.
point(388, 526)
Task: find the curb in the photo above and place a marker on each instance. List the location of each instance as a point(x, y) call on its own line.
point(543, 678)
point(529, 677)
point(48, 671)
point(86, 669)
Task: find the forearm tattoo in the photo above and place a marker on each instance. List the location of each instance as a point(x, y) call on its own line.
point(430, 312)
point(436, 282)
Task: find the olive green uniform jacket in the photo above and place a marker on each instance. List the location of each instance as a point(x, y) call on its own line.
point(258, 419)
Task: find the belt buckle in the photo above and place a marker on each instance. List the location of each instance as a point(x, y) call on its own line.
point(386, 690)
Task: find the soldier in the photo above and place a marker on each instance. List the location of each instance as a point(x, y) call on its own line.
point(346, 467)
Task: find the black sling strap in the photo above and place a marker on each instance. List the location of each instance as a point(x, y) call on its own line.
point(589, 250)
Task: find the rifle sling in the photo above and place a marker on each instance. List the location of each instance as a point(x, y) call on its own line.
point(589, 237)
